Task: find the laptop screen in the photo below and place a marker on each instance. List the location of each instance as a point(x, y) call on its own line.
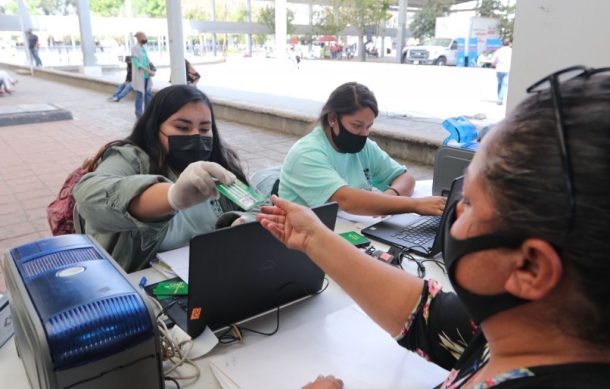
point(455, 194)
point(239, 272)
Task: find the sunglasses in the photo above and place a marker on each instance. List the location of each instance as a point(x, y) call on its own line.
point(553, 82)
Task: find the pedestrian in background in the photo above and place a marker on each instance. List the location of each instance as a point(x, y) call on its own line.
point(7, 83)
point(126, 87)
point(33, 47)
point(501, 61)
point(142, 73)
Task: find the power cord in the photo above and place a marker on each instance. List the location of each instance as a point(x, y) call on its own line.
point(172, 380)
point(421, 269)
point(173, 351)
point(235, 332)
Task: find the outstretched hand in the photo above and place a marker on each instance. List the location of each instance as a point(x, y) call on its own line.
point(292, 224)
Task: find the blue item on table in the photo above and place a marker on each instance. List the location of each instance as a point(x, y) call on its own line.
point(462, 133)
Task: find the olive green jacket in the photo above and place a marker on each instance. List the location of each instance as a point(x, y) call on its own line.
point(103, 198)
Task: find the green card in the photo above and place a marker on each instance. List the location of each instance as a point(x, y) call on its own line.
point(241, 194)
point(355, 238)
point(169, 289)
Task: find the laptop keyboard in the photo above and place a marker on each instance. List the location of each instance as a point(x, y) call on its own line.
point(419, 234)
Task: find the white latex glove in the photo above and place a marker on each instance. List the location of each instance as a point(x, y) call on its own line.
point(196, 184)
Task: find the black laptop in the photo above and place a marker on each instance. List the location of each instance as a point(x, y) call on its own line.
point(409, 231)
point(239, 272)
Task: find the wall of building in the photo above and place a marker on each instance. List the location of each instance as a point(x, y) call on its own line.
point(553, 34)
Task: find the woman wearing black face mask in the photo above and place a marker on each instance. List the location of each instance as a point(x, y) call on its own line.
point(156, 191)
point(526, 250)
point(337, 162)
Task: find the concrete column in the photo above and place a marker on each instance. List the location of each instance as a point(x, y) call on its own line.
point(26, 24)
point(402, 21)
point(310, 9)
point(281, 28)
point(563, 46)
point(129, 42)
point(86, 38)
point(214, 34)
point(249, 35)
point(175, 42)
point(381, 33)
point(128, 9)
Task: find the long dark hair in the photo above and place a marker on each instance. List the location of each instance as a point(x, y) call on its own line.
point(164, 104)
point(347, 99)
point(524, 176)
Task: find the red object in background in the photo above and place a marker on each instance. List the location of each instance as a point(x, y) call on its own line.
point(327, 38)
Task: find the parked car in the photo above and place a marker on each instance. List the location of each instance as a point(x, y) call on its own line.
point(434, 51)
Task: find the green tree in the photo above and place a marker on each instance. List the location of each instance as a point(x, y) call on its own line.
point(51, 7)
point(149, 8)
point(504, 13)
point(106, 7)
point(328, 20)
point(8, 7)
point(266, 16)
point(241, 15)
point(507, 20)
point(196, 10)
point(489, 8)
point(424, 22)
point(364, 16)
point(196, 14)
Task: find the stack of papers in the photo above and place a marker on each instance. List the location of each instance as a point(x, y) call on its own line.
point(174, 262)
point(346, 344)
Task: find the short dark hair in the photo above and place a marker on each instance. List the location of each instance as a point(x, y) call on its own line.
point(346, 100)
point(164, 104)
point(525, 178)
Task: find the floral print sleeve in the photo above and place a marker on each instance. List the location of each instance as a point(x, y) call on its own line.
point(439, 328)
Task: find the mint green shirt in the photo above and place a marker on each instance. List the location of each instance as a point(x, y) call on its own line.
point(313, 170)
point(144, 60)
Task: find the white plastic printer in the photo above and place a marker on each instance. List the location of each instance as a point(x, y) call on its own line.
point(79, 323)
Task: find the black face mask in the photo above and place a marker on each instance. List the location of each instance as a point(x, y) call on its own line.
point(347, 142)
point(186, 149)
point(143, 42)
point(480, 307)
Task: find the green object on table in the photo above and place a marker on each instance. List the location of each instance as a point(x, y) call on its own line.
point(355, 238)
point(169, 289)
